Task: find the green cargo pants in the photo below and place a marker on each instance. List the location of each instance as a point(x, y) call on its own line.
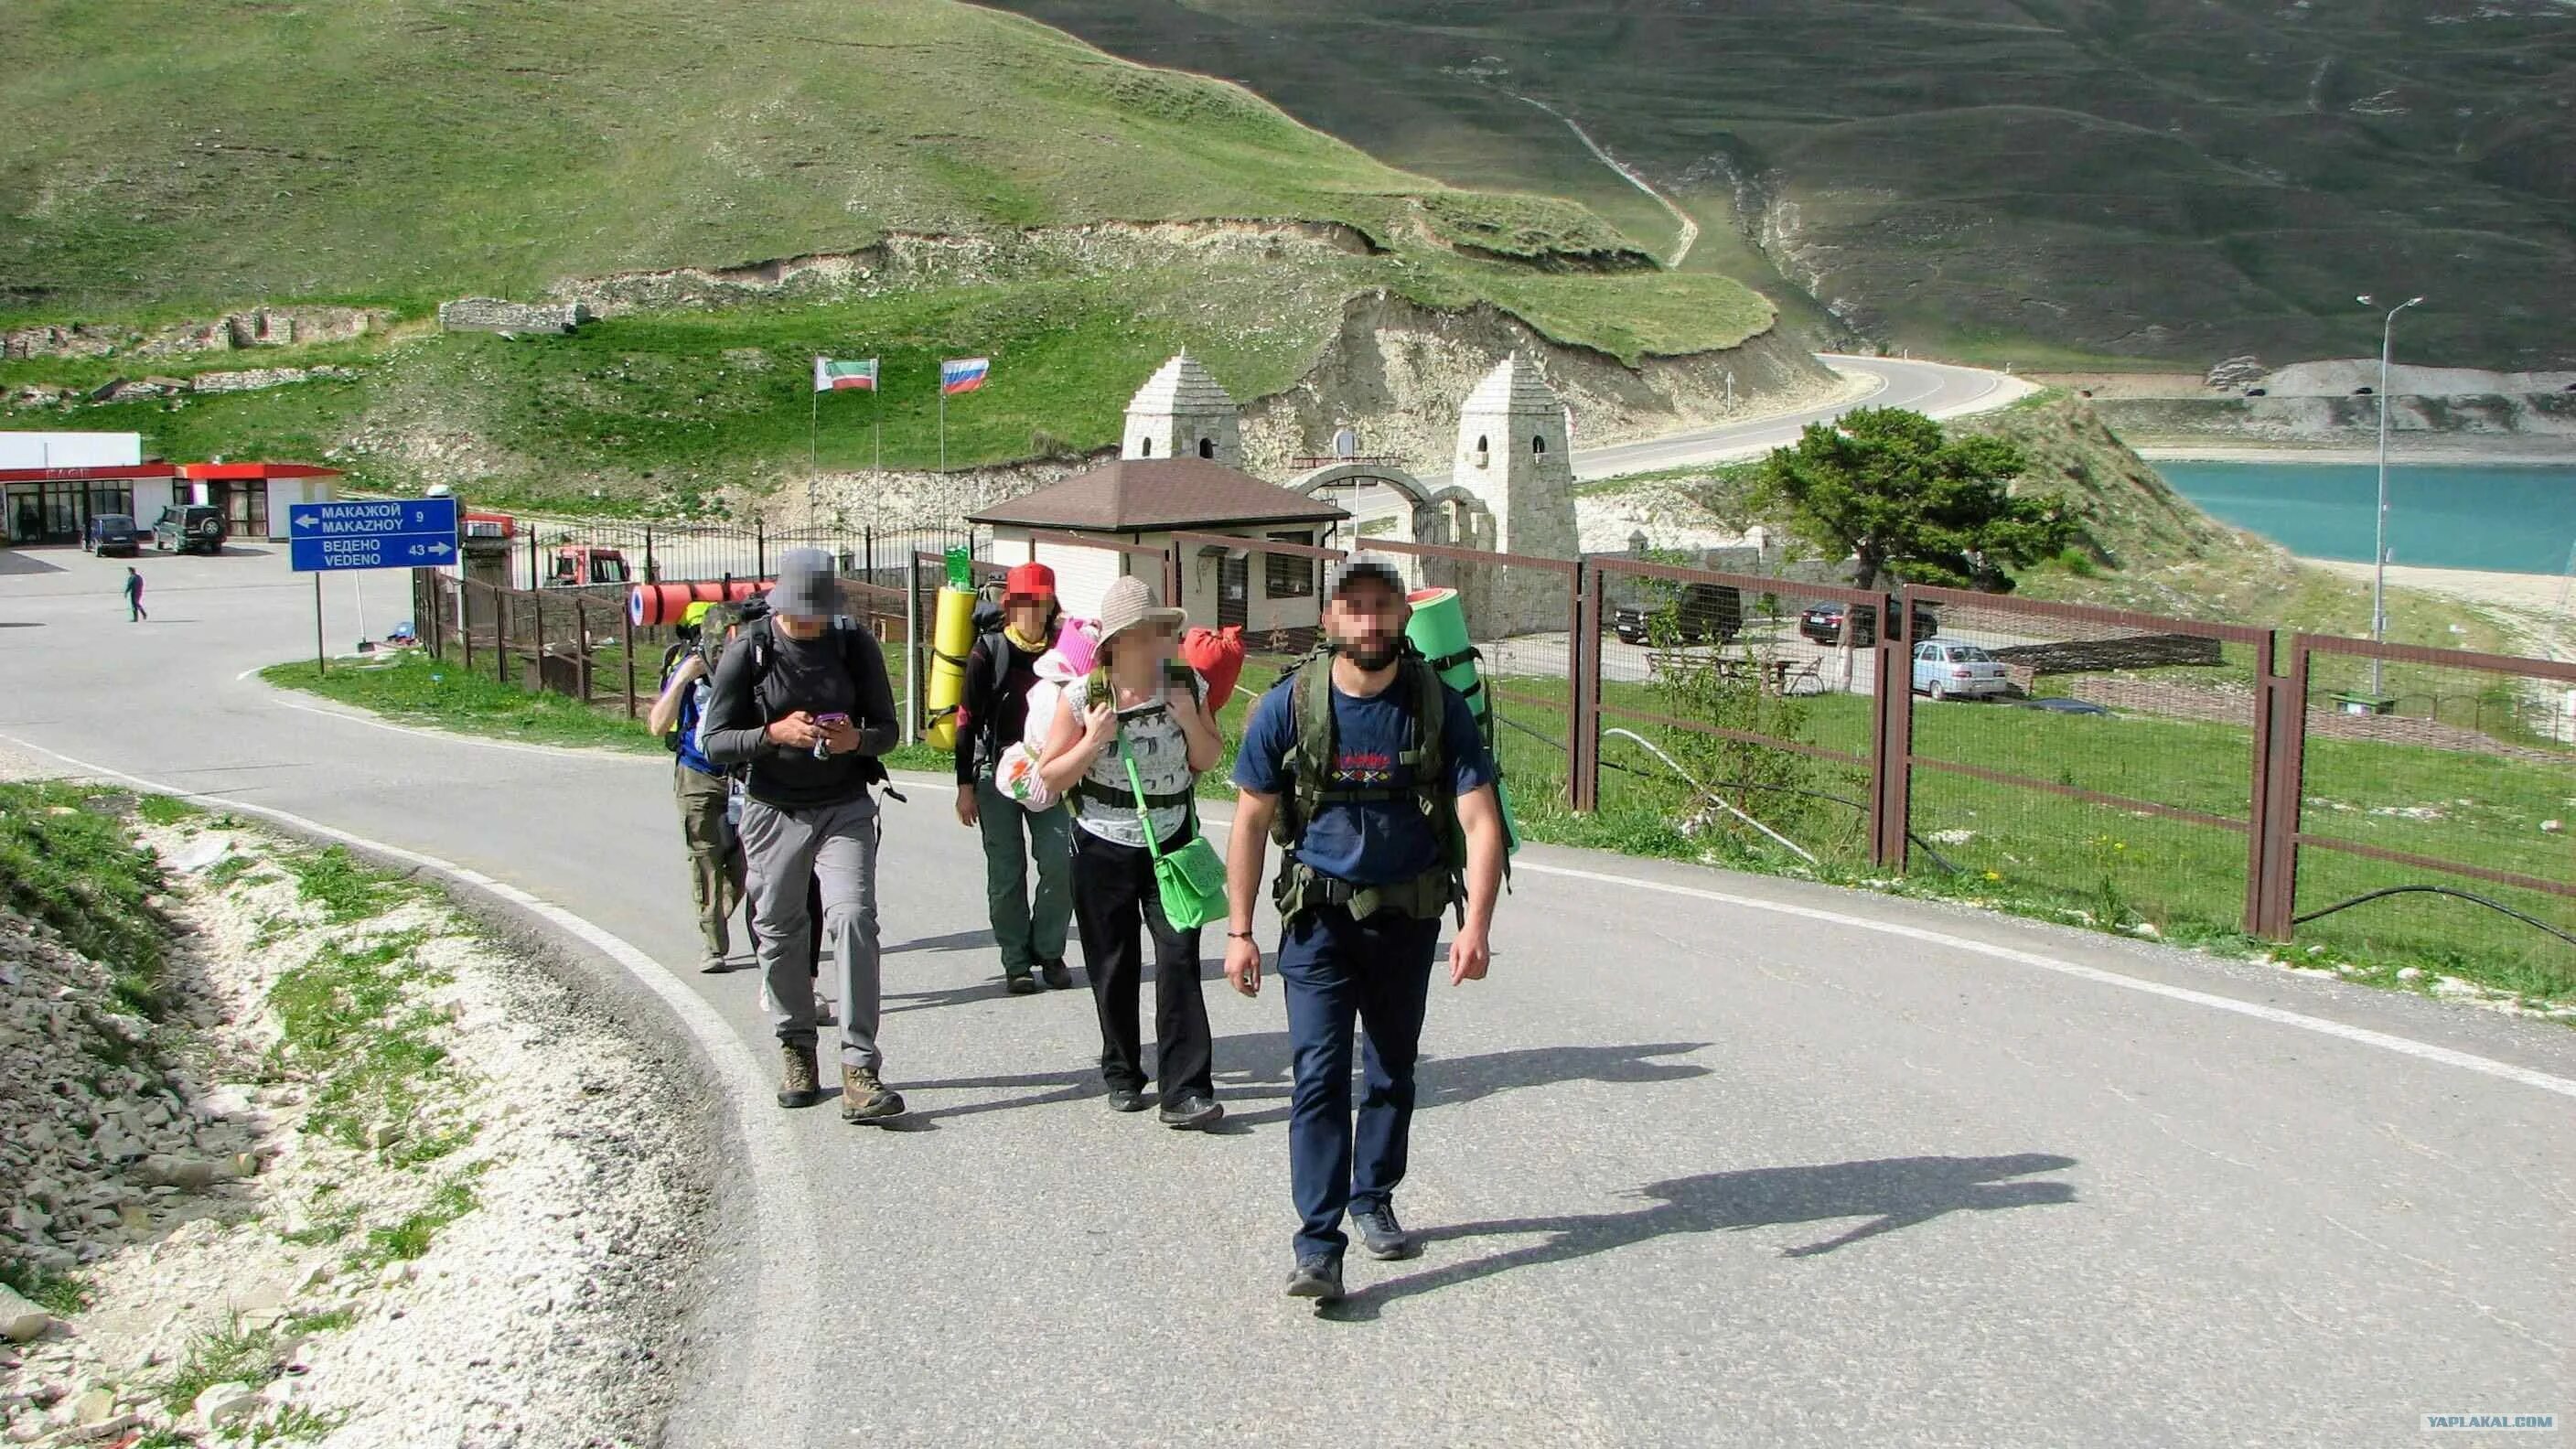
point(1029, 931)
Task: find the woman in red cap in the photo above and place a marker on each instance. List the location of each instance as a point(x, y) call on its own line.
point(1000, 671)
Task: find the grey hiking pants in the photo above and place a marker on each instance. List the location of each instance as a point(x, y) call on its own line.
point(836, 846)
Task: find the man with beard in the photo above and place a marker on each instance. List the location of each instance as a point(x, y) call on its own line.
point(1375, 781)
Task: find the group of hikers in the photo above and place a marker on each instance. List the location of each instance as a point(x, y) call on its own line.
point(1370, 774)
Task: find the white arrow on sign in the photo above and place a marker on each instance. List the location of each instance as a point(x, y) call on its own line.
point(440, 550)
point(306, 520)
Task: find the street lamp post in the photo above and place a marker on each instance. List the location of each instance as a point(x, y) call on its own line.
point(2379, 552)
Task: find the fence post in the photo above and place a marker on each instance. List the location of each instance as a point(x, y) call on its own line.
point(912, 646)
point(1583, 738)
point(2280, 754)
point(539, 659)
point(465, 619)
point(626, 619)
point(1171, 570)
point(651, 575)
point(760, 548)
point(868, 539)
point(501, 637)
point(581, 642)
point(1892, 733)
point(534, 576)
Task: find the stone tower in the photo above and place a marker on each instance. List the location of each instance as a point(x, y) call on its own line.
point(1513, 455)
point(1180, 412)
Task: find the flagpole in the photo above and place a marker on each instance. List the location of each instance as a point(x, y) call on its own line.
point(813, 431)
point(878, 392)
point(943, 423)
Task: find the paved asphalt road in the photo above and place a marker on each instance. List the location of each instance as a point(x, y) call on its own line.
point(1929, 387)
point(1711, 1159)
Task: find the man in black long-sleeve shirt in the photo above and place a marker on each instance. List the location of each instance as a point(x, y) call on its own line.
point(802, 699)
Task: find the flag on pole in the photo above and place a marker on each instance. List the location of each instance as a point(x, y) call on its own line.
point(831, 376)
point(963, 374)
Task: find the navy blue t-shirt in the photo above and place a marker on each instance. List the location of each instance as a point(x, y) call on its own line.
point(1373, 842)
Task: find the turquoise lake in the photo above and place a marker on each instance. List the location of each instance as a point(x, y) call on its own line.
point(2516, 518)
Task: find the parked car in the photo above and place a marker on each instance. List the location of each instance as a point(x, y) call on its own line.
point(1823, 624)
point(1951, 671)
point(115, 533)
point(1702, 613)
point(189, 528)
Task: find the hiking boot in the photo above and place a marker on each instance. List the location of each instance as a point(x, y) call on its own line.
point(1021, 983)
point(865, 1099)
point(1057, 978)
point(823, 1012)
point(799, 1085)
point(1318, 1277)
point(1191, 1113)
point(714, 963)
point(1381, 1235)
point(1127, 1099)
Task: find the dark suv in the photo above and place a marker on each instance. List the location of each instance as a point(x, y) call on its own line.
point(189, 528)
point(1823, 623)
point(1701, 613)
point(115, 533)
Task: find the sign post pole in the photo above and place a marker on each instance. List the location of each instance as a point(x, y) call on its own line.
point(321, 655)
point(345, 536)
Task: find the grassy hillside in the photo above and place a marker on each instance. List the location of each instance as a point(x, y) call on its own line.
point(160, 161)
point(2025, 180)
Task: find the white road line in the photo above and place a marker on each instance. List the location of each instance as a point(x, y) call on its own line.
point(2404, 1046)
point(789, 1244)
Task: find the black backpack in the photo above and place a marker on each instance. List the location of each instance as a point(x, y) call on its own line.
point(844, 630)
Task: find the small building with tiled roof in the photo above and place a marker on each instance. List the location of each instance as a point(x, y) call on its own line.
point(1143, 502)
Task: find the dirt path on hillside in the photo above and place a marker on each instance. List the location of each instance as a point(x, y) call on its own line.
point(1689, 228)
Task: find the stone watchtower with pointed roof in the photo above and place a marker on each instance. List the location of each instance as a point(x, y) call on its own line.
point(1181, 412)
point(1513, 455)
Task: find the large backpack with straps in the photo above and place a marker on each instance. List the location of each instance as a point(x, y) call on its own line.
point(1315, 754)
point(755, 636)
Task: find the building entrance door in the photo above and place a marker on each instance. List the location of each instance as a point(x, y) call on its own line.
point(1233, 592)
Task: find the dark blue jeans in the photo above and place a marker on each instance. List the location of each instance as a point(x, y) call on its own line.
point(1337, 970)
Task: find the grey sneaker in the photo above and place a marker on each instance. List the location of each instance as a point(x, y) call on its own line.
point(865, 1099)
point(714, 963)
point(1381, 1235)
point(799, 1085)
point(1022, 984)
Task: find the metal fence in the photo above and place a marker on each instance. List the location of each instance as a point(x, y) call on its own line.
point(551, 554)
point(2141, 772)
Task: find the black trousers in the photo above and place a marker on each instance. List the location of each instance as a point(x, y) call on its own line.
point(1114, 901)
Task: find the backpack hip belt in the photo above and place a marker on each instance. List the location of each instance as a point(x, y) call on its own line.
point(1301, 888)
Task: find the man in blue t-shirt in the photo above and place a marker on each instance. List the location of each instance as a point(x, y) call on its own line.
point(715, 852)
point(1369, 869)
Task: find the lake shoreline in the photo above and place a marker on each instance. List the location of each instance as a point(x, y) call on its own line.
point(2502, 453)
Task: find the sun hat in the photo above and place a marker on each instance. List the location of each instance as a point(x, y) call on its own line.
point(1029, 581)
point(808, 586)
point(1363, 565)
point(1128, 603)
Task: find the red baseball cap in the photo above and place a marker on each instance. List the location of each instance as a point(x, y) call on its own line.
point(1029, 581)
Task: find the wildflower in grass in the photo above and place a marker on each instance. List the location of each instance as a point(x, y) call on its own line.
point(1994, 875)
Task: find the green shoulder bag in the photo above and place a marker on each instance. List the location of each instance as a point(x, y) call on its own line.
point(1191, 879)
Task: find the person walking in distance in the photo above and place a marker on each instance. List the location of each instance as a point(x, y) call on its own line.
point(1000, 671)
point(703, 792)
point(1138, 705)
point(801, 699)
point(134, 612)
point(1373, 778)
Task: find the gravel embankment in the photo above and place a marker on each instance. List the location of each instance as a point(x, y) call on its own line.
point(371, 1178)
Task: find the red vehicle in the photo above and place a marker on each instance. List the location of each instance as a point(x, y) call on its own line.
point(577, 564)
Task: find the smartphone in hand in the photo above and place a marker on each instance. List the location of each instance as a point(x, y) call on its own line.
point(824, 725)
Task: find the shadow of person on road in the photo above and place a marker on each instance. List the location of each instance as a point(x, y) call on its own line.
point(1891, 1193)
point(953, 941)
point(1258, 1063)
point(1254, 1067)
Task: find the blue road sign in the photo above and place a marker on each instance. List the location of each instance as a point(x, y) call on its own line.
point(408, 533)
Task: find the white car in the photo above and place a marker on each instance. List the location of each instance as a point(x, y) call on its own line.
point(1952, 671)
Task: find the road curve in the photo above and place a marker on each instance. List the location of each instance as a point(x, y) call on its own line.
point(1939, 389)
point(1711, 1160)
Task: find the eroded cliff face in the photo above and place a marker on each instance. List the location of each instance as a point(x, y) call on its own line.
point(1397, 372)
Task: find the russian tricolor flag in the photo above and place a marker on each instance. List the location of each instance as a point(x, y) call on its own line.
point(963, 374)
